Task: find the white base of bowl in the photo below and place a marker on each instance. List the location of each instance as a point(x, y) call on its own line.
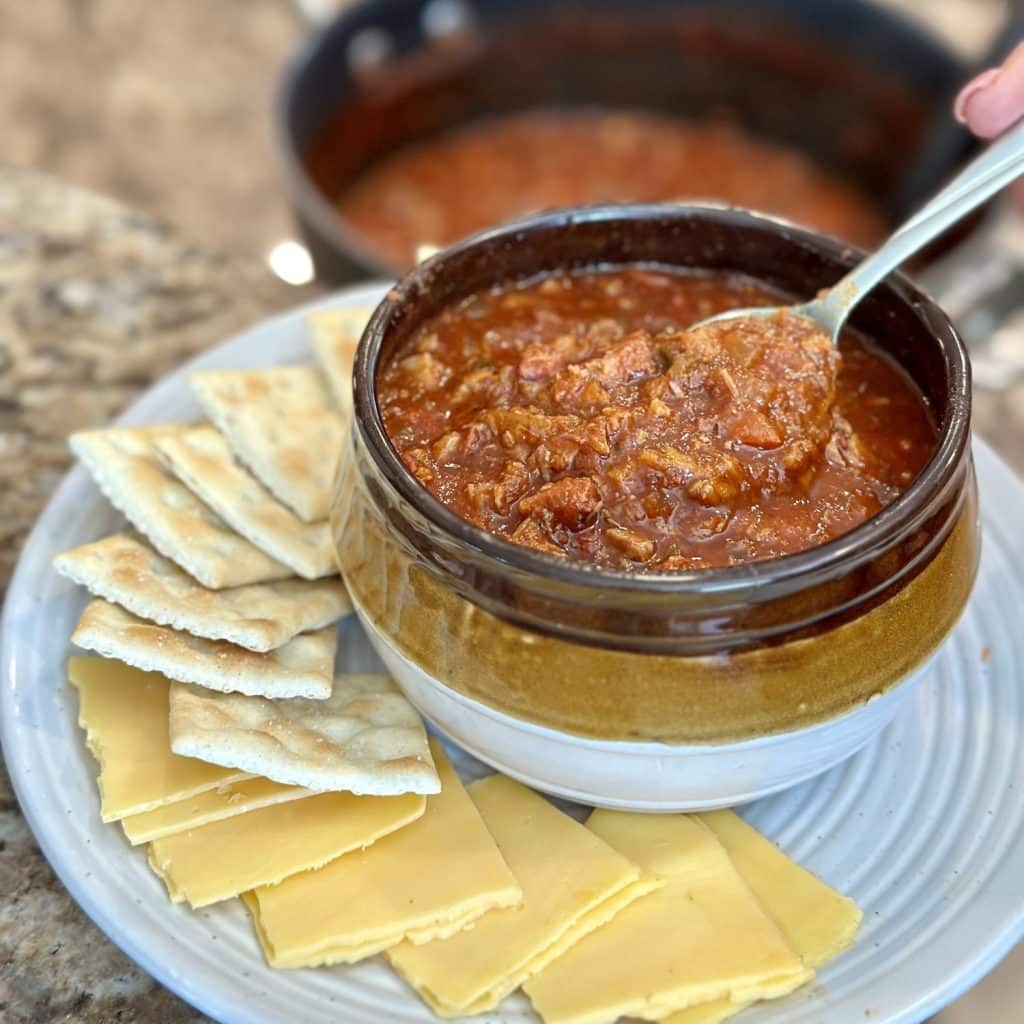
point(650, 777)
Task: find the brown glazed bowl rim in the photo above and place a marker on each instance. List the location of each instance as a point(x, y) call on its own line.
point(803, 568)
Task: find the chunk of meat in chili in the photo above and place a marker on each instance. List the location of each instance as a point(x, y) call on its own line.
point(571, 502)
point(580, 416)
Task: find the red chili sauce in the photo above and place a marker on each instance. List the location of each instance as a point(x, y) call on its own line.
point(577, 415)
point(492, 171)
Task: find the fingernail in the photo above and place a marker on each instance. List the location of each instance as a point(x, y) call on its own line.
point(971, 89)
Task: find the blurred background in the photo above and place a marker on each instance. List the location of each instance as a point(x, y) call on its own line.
point(167, 108)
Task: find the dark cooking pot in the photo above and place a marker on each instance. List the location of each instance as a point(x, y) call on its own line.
point(851, 84)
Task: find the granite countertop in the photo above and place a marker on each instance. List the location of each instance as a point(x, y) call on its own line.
point(96, 302)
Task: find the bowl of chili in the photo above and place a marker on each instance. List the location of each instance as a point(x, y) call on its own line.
point(638, 566)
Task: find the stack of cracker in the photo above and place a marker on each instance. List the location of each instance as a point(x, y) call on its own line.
point(228, 579)
point(227, 744)
point(227, 584)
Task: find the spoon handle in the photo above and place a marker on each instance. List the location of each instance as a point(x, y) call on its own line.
point(1001, 163)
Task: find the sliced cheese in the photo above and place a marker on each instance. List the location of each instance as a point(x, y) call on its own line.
point(218, 861)
point(703, 936)
point(204, 808)
point(818, 922)
point(567, 875)
point(715, 1012)
point(124, 714)
point(426, 881)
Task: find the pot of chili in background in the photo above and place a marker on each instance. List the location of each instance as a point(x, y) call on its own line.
point(628, 566)
point(418, 121)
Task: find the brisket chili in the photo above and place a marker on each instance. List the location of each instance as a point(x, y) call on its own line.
point(577, 415)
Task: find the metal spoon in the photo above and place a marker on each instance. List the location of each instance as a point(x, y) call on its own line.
point(992, 170)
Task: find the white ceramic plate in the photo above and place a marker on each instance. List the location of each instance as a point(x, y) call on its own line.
point(924, 827)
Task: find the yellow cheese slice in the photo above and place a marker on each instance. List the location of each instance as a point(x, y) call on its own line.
point(204, 808)
point(124, 714)
point(566, 873)
point(427, 880)
point(703, 936)
point(340, 953)
point(715, 1012)
point(818, 922)
point(218, 861)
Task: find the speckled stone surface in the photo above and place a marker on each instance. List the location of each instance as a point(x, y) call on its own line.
point(96, 301)
point(165, 105)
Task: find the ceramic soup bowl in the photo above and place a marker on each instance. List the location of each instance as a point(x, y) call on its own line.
point(658, 691)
